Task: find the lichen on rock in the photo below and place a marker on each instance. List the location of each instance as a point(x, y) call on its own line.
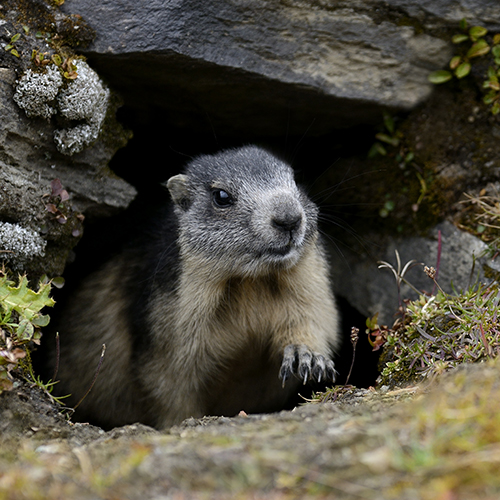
point(19, 245)
point(36, 92)
point(84, 99)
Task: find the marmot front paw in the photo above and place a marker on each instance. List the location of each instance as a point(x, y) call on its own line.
point(299, 360)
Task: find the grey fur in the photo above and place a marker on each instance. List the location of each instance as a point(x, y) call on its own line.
point(226, 307)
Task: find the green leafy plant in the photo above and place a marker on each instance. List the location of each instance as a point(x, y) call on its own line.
point(20, 322)
point(460, 65)
point(390, 142)
point(47, 387)
point(39, 58)
point(390, 137)
point(10, 47)
point(66, 64)
point(492, 85)
point(438, 331)
point(474, 45)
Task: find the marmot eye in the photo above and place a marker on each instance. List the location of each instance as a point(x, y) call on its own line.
point(221, 198)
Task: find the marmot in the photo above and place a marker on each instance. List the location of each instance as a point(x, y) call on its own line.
point(225, 305)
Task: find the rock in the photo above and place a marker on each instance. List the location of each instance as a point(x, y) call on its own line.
point(463, 260)
point(27, 146)
point(52, 129)
point(455, 150)
point(433, 13)
point(29, 161)
point(266, 68)
point(84, 98)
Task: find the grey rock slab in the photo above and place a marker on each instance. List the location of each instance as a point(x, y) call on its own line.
point(463, 260)
point(239, 61)
point(432, 12)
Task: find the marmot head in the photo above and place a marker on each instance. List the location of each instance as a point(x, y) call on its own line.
point(241, 213)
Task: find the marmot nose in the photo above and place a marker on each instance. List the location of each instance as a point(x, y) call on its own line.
point(287, 222)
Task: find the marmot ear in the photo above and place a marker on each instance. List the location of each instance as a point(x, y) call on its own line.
point(178, 188)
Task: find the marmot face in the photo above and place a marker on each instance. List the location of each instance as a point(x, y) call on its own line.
point(242, 214)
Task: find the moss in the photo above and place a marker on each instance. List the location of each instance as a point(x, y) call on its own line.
point(412, 22)
point(453, 147)
point(75, 32)
point(491, 274)
point(43, 29)
point(451, 438)
point(44, 16)
point(39, 14)
point(436, 333)
point(440, 332)
point(417, 201)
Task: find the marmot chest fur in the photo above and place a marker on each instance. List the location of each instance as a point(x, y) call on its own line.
point(225, 306)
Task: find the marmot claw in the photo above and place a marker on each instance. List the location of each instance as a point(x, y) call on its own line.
point(299, 360)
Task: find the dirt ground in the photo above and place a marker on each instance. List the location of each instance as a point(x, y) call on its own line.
point(438, 440)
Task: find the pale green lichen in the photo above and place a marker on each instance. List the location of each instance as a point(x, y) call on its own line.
point(36, 92)
point(84, 100)
point(19, 245)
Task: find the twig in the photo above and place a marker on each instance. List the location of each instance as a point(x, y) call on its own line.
point(354, 341)
point(438, 260)
point(485, 342)
point(58, 354)
point(94, 379)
